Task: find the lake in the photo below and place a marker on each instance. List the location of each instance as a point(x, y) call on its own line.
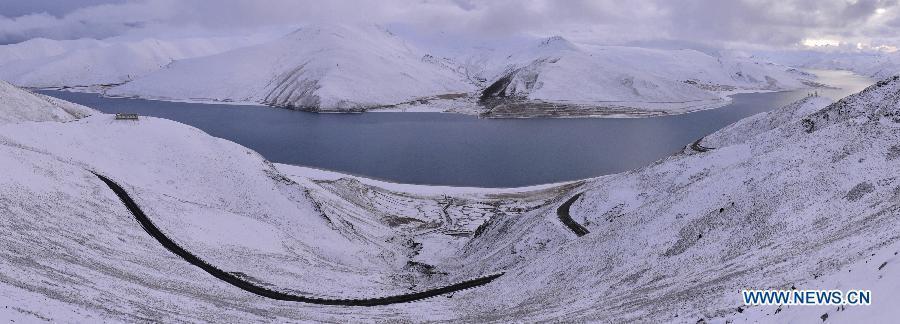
point(460, 150)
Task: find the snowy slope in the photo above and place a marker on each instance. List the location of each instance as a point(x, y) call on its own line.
point(318, 67)
point(809, 194)
point(219, 200)
point(353, 68)
point(85, 63)
point(557, 70)
point(800, 196)
point(876, 65)
point(43, 48)
point(560, 72)
point(19, 105)
point(755, 125)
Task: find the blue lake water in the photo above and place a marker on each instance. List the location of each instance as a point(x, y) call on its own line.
point(459, 150)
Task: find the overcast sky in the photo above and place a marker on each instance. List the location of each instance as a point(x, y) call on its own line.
point(714, 23)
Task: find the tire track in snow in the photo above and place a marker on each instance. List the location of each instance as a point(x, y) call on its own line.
point(234, 280)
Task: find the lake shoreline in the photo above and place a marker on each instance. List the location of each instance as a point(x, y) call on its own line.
point(468, 105)
point(446, 149)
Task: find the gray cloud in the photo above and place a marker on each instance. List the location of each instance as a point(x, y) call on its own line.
point(52, 7)
point(752, 23)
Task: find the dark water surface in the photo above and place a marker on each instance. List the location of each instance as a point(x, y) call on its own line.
point(459, 150)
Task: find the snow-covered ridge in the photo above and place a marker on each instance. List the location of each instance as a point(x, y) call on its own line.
point(876, 65)
point(18, 105)
point(319, 68)
point(43, 48)
point(755, 125)
point(342, 68)
point(557, 73)
point(87, 63)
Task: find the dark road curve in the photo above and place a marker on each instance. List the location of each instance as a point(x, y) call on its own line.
point(700, 148)
point(563, 213)
point(268, 293)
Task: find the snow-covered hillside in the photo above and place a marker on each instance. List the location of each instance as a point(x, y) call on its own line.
point(18, 105)
point(340, 68)
point(876, 65)
point(803, 196)
point(582, 79)
point(323, 237)
point(319, 68)
point(85, 63)
point(42, 48)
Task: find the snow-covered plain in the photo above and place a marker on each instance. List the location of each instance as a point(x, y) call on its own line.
point(803, 196)
point(342, 68)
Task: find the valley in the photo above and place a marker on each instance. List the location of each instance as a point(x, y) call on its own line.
point(449, 161)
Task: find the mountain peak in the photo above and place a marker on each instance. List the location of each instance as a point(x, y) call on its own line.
point(556, 42)
point(337, 31)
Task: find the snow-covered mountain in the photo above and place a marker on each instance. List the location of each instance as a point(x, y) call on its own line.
point(877, 65)
point(42, 48)
point(339, 68)
point(343, 68)
point(557, 73)
point(799, 196)
point(41, 63)
point(319, 67)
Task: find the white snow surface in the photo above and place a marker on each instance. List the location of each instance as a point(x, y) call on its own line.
point(20, 105)
point(877, 65)
point(318, 67)
point(340, 68)
point(556, 70)
point(806, 195)
point(44, 63)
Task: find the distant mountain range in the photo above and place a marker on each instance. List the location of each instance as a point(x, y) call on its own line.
point(88, 63)
point(800, 197)
point(878, 65)
point(339, 68)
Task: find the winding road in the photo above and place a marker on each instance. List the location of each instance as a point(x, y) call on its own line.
point(700, 148)
point(268, 293)
point(565, 218)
